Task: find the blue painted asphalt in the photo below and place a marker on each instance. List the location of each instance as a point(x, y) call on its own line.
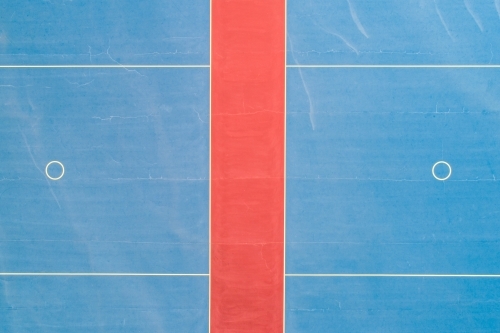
point(361, 143)
point(104, 304)
point(133, 199)
point(134, 196)
point(393, 32)
point(403, 305)
point(361, 146)
point(104, 32)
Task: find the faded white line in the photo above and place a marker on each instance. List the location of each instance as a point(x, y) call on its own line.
point(98, 274)
point(495, 276)
point(105, 66)
point(393, 66)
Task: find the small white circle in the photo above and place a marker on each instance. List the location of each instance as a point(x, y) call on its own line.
point(47, 170)
point(438, 163)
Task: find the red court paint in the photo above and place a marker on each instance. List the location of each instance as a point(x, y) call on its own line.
point(247, 165)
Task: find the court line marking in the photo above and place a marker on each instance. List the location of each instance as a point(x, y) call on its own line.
point(104, 66)
point(393, 66)
point(400, 275)
point(449, 170)
point(210, 169)
point(47, 170)
point(100, 274)
point(288, 66)
point(284, 172)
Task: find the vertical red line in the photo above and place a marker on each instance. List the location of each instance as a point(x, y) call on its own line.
point(247, 165)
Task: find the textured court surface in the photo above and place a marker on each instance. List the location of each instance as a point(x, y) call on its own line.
point(135, 147)
point(358, 235)
point(361, 143)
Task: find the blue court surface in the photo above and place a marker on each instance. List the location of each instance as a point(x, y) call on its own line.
point(379, 111)
point(104, 304)
point(105, 32)
point(134, 144)
point(133, 199)
point(360, 304)
point(392, 198)
point(393, 32)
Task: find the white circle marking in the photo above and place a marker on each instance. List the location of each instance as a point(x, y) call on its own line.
point(434, 167)
point(47, 170)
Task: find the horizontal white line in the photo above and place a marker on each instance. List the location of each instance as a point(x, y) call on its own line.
point(400, 275)
point(289, 66)
point(104, 66)
point(98, 274)
point(393, 66)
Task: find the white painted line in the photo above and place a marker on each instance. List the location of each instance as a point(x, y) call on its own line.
point(438, 163)
point(284, 177)
point(210, 172)
point(98, 274)
point(47, 170)
point(104, 66)
point(494, 276)
point(393, 66)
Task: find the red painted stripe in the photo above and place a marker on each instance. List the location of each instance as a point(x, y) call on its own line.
point(247, 147)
